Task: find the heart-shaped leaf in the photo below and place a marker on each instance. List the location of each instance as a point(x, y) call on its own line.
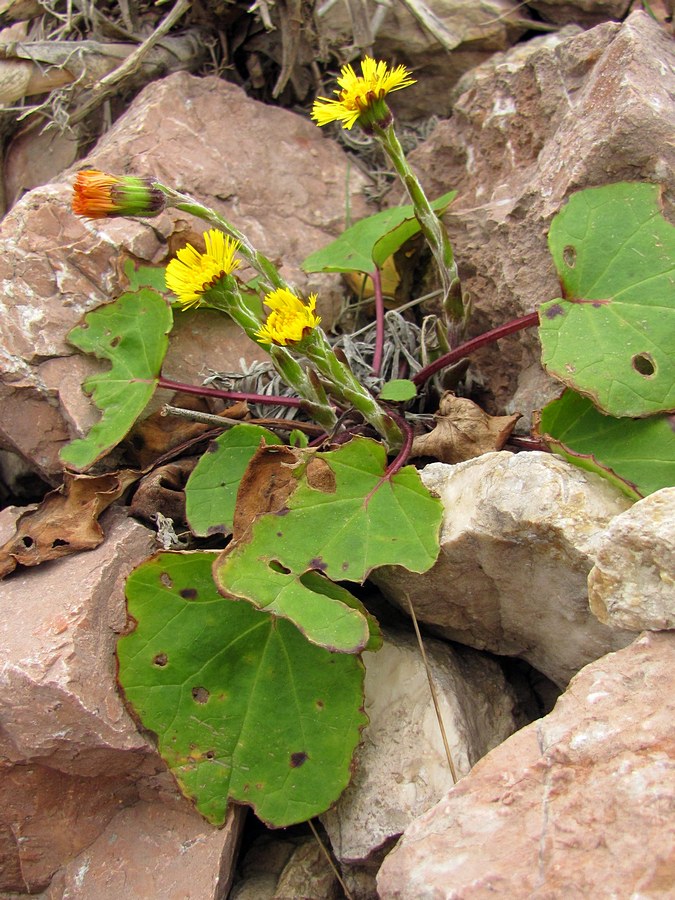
point(211, 490)
point(243, 707)
point(345, 518)
point(366, 245)
point(611, 336)
point(636, 454)
point(132, 334)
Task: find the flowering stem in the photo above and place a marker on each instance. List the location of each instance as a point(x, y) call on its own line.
point(468, 347)
point(379, 321)
point(346, 388)
point(226, 297)
point(432, 229)
point(270, 277)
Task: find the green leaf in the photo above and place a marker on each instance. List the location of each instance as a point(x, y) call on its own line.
point(612, 336)
point(638, 455)
point(140, 276)
point(355, 521)
point(211, 489)
point(298, 438)
point(242, 705)
point(398, 390)
point(366, 245)
point(132, 334)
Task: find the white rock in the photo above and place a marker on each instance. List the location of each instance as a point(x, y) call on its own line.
point(519, 537)
point(632, 584)
point(401, 766)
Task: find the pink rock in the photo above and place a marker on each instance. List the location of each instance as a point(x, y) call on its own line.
point(270, 171)
point(58, 698)
point(576, 805)
point(154, 851)
point(70, 754)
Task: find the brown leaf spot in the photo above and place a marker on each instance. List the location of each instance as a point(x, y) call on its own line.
point(298, 759)
point(188, 593)
point(267, 484)
point(644, 364)
point(160, 660)
point(553, 311)
point(200, 694)
point(166, 580)
point(319, 563)
point(320, 476)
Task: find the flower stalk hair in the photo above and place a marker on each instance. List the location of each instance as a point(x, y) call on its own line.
point(360, 99)
point(98, 195)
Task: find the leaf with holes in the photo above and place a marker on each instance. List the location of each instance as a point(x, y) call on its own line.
point(140, 275)
point(243, 707)
point(211, 490)
point(345, 520)
point(132, 334)
point(638, 455)
point(365, 246)
point(611, 336)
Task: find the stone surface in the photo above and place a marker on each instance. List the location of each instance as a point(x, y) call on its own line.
point(632, 584)
point(154, 851)
point(58, 699)
point(70, 754)
point(270, 171)
point(576, 805)
point(587, 12)
point(518, 539)
point(456, 36)
point(401, 765)
point(278, 868)
point(528, 128)
point(47, 817)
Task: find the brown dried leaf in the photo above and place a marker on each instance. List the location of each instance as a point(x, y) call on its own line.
point(66, 521)
point(267, 484)
point(163, 490)
point(463, 431)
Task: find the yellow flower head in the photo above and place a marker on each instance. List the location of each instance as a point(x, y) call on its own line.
point(290, 320)
point(98, 195)
point(193, 273)
point(362, 95)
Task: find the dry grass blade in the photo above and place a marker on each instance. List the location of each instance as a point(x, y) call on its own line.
point(434, 695)
point(330, 860)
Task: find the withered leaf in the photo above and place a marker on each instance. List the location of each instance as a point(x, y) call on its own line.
point(163, 490)
point(267, 484)
point(463, 431)
point(66, 521)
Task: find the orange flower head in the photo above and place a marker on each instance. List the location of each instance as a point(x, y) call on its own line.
point(98, 195)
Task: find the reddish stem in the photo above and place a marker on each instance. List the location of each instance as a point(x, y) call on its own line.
point(468, 347)
point(201, 391)
point(379, 321)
